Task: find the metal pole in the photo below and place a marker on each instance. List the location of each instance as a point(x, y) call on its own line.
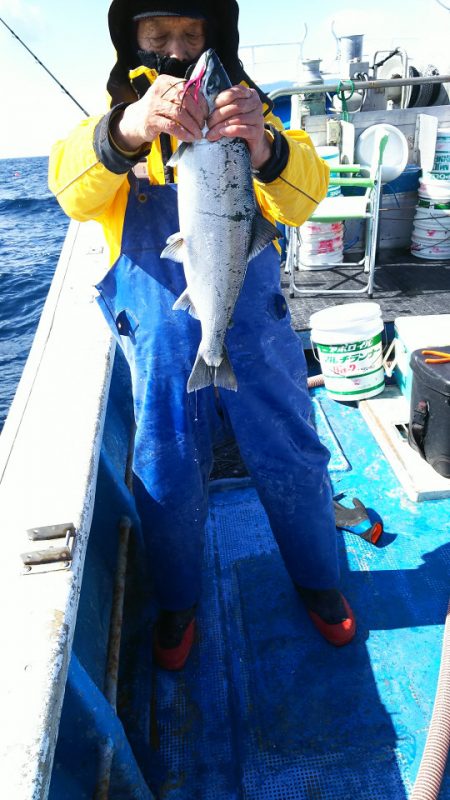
point(310, 88)
point(101, 717)
point(115, 627)
point(112, 662)
point(115, 634)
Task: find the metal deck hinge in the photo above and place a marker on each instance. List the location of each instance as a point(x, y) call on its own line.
point(49, 559)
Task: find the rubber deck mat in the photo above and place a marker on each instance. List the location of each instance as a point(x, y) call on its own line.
point(404, 285)
point(267, 710)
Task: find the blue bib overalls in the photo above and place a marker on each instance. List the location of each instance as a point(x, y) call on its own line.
point(270, 414)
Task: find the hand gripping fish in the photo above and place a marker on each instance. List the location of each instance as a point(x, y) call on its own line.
point(221, 229)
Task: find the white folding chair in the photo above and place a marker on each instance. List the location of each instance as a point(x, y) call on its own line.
point(338, 209)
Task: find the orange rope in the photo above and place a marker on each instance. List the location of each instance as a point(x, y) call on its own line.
point(442, 358)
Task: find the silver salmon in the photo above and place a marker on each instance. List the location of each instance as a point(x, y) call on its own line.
point(221, 229)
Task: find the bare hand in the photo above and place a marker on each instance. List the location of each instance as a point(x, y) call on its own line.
point(163, 109)
point(239, 113)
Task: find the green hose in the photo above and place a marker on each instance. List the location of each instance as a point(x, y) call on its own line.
point(341, 89)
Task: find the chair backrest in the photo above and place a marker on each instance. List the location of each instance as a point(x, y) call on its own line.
point(379, 146)
point(362, 176)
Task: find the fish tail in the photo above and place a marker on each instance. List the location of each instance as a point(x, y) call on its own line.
point(203, 375)
point(224, 374)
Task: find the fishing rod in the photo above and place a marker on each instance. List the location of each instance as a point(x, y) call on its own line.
point(44, 67)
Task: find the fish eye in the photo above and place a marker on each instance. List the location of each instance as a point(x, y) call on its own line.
point(213, 82)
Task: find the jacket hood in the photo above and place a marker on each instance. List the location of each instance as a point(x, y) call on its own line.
point(222, 22)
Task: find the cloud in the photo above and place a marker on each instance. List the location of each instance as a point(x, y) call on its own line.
point(347, 21)
point(19, 9)
point(28, 15)
point(422, 31)
point(425, 17)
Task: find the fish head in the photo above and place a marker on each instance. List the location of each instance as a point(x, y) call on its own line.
point(209, 77)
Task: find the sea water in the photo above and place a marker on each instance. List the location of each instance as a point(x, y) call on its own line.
point(32, 230)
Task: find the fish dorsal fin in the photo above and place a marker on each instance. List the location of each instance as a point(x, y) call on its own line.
point(184, 303)
point(263, 233)
point(175, 157)
point(174, 248)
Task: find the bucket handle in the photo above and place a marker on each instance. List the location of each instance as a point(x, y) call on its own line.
point(389, 365)
point(315, 352)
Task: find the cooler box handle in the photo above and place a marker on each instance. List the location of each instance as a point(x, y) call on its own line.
point(418, 427)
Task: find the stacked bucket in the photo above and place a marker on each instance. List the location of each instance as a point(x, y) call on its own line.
point(321, 243)
point(431, 232)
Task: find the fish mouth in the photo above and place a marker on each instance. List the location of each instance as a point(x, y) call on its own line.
point(197, 74)
point(197, 71)
point(208, 77)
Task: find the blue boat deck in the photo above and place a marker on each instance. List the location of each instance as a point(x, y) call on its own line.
point(265, 709)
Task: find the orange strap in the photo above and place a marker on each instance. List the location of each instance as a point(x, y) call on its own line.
point(442, 358)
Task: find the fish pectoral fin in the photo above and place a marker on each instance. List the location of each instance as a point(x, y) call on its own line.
point(175, 157)
point(203, 375)
point(184, 303)
point(174, 248)
point(263, 233)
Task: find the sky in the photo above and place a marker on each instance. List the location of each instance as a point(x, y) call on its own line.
point(72, 40)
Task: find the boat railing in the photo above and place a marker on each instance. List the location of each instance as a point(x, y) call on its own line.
point(265, 62)
point(346, 85)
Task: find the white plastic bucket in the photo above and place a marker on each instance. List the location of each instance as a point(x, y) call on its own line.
point(442, 153)
point(432, 250)
point(321, 245)
point(441, 166)
point(443, 140)
point(432, 228)
point(428, 203)
point(431, 232)
point(330, 154)
point(314, 261)
point(434, 189)
point(349, 345)
point(311, 229)
point(434, 215)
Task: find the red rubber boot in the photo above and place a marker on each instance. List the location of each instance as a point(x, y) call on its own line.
point(174, 637)
point(329, 611)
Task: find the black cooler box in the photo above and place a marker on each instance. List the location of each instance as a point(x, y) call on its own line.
point(429, 423)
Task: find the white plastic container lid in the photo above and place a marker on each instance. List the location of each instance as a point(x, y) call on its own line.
point(423, 330)
point(395, 156)
point(344, 316)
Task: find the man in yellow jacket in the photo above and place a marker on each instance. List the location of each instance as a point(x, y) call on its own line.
point(114, 169)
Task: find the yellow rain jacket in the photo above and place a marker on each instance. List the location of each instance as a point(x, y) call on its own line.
point(87, 190)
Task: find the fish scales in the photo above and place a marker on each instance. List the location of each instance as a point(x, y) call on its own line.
point(216, 208)
point(221, 228)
